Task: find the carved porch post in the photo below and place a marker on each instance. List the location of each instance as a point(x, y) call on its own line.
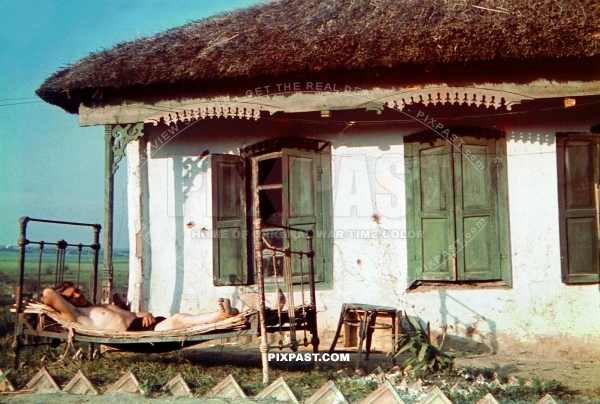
point(116, 138)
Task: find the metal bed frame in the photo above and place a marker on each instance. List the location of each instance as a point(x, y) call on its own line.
point(267, 321)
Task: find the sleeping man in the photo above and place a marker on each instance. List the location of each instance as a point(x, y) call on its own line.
point(72, 305)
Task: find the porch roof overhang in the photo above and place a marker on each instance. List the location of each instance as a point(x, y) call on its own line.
point(306, 96)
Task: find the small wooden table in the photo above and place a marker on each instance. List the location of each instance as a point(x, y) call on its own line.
point(367, 314)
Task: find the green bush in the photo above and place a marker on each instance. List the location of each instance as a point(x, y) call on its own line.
point(426, 356)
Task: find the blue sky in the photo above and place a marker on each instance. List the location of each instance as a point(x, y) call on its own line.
point(49, 166)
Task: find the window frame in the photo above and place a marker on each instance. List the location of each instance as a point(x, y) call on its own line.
point(455, 270)
point(320, 152)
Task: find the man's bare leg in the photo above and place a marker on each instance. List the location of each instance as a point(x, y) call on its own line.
point(182, 320)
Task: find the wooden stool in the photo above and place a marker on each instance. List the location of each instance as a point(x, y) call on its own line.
point(367, 314)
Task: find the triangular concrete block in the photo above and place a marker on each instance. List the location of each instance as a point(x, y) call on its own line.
point(488, 399)
point(460, 387)
point(547, 399)
point(435, 396)
point(403, 385)
point(42, 381)
point(377, 371)
point(416, 386)
point(494, 385)
point(278, 390)
point(386, 393)
point(227, 388)
point(126, 384)
point(177, 387)
point(342, 375)
point(327, 394)
point(5, 385)
point(80, 384)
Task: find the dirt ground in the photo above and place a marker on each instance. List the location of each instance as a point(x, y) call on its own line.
point(579, 376)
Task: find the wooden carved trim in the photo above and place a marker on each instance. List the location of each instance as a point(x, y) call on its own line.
point(225, 110)
point(490, 98)
point(122, 136)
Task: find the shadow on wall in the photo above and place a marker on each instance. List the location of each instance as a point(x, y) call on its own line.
point(185, 170)
point(179, 197)
point(463, 344)
point(541, 138)
point(487, 343)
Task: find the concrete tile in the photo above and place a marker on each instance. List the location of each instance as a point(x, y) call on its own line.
point(494, 385)
point(278, 390)
point(403, 385)
point(488, 399)
point(460, 387)
point(386, 393)
point(5, 385)
point(547, 399)
point(126, 384)
point(435, 396)
point(227, 388)
point(416, 386)
point(80, 384)
point(327, 394)
point(177, 387)
point(42, 381)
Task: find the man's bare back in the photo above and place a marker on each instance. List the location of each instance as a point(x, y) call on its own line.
point(72, 304)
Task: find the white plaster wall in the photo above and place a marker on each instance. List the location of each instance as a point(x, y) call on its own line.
point(181, 239)
point(368, 172)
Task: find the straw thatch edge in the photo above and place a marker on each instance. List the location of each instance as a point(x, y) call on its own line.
point(289, 37)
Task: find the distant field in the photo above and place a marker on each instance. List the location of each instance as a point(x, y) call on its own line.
point(9, 271)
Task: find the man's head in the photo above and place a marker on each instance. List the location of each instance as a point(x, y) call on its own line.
point(72, 295)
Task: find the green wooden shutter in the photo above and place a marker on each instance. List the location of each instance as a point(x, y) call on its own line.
point(578, 176)
point(457, 199)
point(302, 204)
point(477, 211)
point(430, 211)
point(324, 225)
point(230, 265)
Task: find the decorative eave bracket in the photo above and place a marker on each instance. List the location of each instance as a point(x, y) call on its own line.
point(219, 110)
point(477, 97)
point(122, 135)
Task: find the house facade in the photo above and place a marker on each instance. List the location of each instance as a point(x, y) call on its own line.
point(460, 189)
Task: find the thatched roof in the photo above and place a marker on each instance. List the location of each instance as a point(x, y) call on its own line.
point(310, 36)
